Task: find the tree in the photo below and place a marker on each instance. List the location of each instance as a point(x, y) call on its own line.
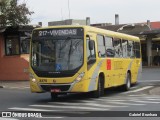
point(13, 14)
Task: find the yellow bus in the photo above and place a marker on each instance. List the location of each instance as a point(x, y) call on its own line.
point(74, 59)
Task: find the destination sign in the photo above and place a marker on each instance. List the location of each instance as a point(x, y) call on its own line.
point(58, 32)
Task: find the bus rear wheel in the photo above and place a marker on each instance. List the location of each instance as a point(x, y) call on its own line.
point(127, 85)
point(100, 89)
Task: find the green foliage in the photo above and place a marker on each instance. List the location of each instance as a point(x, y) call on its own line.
point(13, 14)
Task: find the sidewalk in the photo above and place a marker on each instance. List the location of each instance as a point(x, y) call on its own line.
point(155, 91)
point(14, 83)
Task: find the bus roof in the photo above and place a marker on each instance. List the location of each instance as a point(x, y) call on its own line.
point(96, 30)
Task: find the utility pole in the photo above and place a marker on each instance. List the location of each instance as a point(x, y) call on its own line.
point(69, 9)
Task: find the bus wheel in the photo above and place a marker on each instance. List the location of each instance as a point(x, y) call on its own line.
point(54, 96)
point(127, 85)
point(100, 89)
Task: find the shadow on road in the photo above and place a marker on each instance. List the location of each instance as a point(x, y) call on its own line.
point(73, 97)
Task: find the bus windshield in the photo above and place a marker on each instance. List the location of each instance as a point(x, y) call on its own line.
point(56, 55)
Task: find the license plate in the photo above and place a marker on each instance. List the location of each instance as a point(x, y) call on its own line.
point(55, 90)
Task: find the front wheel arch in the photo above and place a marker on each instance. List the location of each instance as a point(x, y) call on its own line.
point(100, 87)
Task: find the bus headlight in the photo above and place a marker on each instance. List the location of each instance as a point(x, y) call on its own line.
point(80, 76)
point(32, 77)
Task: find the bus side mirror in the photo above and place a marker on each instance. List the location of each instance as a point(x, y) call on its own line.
point(91, 44)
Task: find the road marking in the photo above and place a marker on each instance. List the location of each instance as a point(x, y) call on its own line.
point(87, 104)
point(157, 99)
point(143, 88)
point(120, 99)
point(142, 99)
point(29, 109)
point(139, 101)
point(151, 97)
point(121, 103)
point(149, 81)
point(138, 95)
point(88, 101)
point(26, 87)
point(12, 87)
point(137, 90)
point(108, 100)
point(117, 100)
point(69, 107)
point(18, 87)
point(2, 118)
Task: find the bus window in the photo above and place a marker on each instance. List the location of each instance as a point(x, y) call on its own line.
point(137, 49)
point(109, 47)
point(130, 49)
point(101, 47)
point(91, 55)
point(124, 48)
point(117, 47)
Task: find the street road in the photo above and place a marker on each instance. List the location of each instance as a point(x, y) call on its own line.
point(139, 98)
point(150, 74)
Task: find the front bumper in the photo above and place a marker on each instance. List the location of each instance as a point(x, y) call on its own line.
point(81, 86)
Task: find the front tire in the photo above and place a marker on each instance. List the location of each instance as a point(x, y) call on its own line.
point(100, 89)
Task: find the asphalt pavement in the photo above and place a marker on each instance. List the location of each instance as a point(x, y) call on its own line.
point(14, 97)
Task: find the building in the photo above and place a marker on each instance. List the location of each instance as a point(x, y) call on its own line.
point(14, 52)
point(67, 22)
point(149, 33)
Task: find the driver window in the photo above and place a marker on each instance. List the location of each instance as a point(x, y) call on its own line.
point(90, 53)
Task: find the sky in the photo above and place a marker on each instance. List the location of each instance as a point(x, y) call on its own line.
point(99, 11)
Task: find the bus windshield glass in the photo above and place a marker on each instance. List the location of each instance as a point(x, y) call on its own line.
point(57, 54)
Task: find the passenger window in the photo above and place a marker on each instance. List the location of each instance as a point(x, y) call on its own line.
point(130, 49)
point(109, 47)
point(117, 47)
point(137, 49)
point(124, 48)
point(101, 47)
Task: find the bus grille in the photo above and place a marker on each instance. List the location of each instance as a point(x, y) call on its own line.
point(61, 87)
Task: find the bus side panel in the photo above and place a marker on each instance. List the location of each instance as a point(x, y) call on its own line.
point(126, 63)
point(109, 80)
point(136, 69)
point(128, 66)
point(119, 71)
